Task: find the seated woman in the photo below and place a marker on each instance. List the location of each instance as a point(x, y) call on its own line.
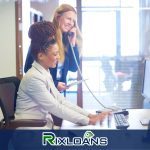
point(38, 97)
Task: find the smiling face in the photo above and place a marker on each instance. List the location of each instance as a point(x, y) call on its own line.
point(67, 21)
point(50, 57)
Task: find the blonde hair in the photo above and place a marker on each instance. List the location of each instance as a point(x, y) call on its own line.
point(59, 11)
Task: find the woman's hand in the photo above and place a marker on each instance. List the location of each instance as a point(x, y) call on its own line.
point(61, 86)
point(72, 38)
point(97, 117)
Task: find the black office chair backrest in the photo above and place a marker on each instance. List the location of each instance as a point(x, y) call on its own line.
point(8, 94)
point(14, 80)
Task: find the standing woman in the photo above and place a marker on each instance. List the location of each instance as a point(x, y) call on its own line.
point(65, 21)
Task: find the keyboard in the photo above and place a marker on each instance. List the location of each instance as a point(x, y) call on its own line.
point(121, 121)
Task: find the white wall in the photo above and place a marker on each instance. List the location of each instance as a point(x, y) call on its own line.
point(47, 8)
point(8, 31)
point(7, 39)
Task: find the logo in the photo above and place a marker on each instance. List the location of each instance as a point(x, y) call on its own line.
point(88, 139)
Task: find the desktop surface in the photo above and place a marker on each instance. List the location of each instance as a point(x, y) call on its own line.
point(134, 118)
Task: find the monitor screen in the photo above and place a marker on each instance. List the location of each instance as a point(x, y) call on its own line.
point(146, 80)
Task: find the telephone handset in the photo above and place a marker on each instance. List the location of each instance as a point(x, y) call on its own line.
point(66, 37)
point(70, 34)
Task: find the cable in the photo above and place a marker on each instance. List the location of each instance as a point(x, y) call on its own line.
point(84, 80)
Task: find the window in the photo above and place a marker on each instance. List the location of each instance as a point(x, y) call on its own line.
point(113, 47)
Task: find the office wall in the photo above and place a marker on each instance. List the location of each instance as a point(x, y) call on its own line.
point(8, 32)
point(7, 39)
point(47, 8)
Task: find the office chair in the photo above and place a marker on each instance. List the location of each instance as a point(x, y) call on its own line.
point(8, 94)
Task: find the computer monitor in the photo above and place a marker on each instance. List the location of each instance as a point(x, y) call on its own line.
point(146, 80)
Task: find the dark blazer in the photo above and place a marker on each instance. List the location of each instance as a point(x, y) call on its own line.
point(69, 62)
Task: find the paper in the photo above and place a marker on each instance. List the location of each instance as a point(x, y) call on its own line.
point(76, 82)
point(145, 121)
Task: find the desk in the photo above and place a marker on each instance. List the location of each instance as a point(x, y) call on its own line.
point(134, 117)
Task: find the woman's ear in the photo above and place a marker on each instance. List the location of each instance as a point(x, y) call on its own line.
point(40, 56)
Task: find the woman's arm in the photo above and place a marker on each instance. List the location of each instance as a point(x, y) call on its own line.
point(35, 88)
point(93, 118)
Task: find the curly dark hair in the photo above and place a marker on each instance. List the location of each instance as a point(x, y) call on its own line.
point(41, 35)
